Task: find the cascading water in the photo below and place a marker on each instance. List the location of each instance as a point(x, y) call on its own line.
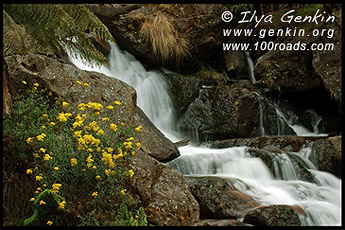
point(320, 199)
point(250, 67)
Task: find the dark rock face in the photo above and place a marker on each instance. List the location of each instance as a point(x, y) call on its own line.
point(61, 79)
point(218, 198)
point(274, 215)
point(328, 154)
point(227, 111)
point(199, 24)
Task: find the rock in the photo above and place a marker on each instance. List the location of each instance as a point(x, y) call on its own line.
point(273, 215)
point(218, 198)
point(228, 111)
point(163, 192)
point(327, 63)
point(328, 154)
point(286, 71)
point(61, 79)
point(235, 63)
point(224, 222)
point(193, 27)
point(272, 144)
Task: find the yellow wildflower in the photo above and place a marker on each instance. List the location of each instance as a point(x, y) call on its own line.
point(43, 127)
point(52, 123)
point(110, 107)
point(94, 167)
point(42, 202)
point(138, 144)
point(85, 84)
point(56, 168)
point(117, 103)
point(39, 178)
point(36, 84)
point(123, 191)
point(62, 205)
point(65, 104)
point(56, 187)
point(100, 132)
point(94, 194)
point(110, 150)
point(98, 177)
point(105, 119)
point(113, 127)
point(138, 128)
point(130, 139)
point(131, 173)
point(47, 157)
point(41, 137)
point(39, 189)
point(29, 171)
point(78, 82)
point(24, 82)
point(49, 222)
point(82, 106)
point(42, 150)
point(32, 199)
point(29, 140)
point(109, 171)
point(122, 124)
point(73, 161)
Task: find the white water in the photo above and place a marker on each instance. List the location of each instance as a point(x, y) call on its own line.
point(250, 67)
point(320, 201)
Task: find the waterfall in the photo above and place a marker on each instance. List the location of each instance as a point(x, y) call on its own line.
point(320, 199)
point(250, 67)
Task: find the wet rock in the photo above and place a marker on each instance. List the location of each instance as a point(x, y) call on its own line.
point(272, 144)
point(224, 222)
point(274, 215)
point(163, 192)
point(61, 79)
point(328, 154)
point(218, 198)
point(228, 111)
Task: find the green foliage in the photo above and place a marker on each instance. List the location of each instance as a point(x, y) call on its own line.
point(238, 8)
point(62, 25)
point(78, 160)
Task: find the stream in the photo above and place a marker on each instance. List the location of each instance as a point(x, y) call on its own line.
point(320, 199)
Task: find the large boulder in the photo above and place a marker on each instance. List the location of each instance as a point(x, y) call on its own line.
point(273, 215)
point(61, 79)
point(194, 27)
point(327, 154)
point(163, 192)
point(218, 198)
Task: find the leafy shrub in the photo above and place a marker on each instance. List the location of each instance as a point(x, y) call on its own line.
point(78, 161)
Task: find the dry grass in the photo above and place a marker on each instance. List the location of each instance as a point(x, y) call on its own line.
point(167, 43)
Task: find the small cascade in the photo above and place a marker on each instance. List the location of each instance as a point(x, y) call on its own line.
point(291, 118)
point(250, 67)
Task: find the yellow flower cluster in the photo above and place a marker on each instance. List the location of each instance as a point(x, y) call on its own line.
point(138, 129)
point(108, 159)
point(29, 140)
point(73, 162)
point(123, 191)
point(41, 137)
point(131, 173)
point(113, 127)
point(47, 157)
point(128, 145)
point(62, 204)
point(89, 161)
point(56, 187)
point(63, 116)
